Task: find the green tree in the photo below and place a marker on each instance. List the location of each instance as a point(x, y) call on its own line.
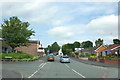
point(67, 48)
point(55, 47)
point(99, 42)
point(70, 46)
point(15, 32)
point(116, 41)
point(76, 44)
point(87, 44)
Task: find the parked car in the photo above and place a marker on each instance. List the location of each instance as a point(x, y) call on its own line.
point(65, 59)
point(50, 58)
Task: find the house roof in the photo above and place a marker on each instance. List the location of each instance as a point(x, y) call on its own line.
point(112, 47)
point(34, 41)
point(102, 47)
point(5, 45)
point(91, 50)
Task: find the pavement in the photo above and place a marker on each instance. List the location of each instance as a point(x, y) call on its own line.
point(11, 74)
point(96, 63)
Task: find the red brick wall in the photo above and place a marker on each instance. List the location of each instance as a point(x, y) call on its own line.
point(112, 61)
point(31, 49)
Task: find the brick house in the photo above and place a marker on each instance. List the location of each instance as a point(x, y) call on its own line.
point(35, 48)
point(113, 50)
point(99, 49)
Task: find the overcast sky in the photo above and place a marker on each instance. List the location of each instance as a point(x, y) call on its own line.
point(66, 22)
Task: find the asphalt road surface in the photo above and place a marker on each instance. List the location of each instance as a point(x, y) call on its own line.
point(45, 69)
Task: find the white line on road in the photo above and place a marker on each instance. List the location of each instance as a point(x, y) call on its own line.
point(41, 65)
point(79, 73)
point(99, 67)
point(76, 72)
point(67, 65)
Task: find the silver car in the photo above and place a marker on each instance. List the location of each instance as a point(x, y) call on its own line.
point(65, 59)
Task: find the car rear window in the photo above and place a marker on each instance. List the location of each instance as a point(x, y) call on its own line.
point(50, 56)
point(65, 57)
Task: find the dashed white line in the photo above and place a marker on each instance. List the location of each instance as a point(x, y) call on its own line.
point(78, 73)
point(41, 65)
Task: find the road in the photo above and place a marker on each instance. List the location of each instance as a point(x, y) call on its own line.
point(44, 69)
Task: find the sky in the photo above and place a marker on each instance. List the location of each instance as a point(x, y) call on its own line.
point(66, 22)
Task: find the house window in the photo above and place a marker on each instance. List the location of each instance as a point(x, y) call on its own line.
point(106, 52)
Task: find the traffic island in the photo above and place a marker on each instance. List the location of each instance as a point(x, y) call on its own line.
point(18, 57)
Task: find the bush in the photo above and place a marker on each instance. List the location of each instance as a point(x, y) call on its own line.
point(76, 53)
point(93, 56)
point(106, 57)
point(82, 55)
point(87, 54)
point(114, 57)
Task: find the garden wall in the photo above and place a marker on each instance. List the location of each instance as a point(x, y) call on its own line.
point(105, 61)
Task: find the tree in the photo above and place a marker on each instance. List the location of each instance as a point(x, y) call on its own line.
point(70, 46)
point(87, 44)
point(54, 47)
point(76, 44)
point(116, 41)
point(15, 32)
point(67, 48)
point(0, 33)
point(99, 42)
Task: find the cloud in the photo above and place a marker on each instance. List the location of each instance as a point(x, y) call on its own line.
point(104, 25)
point(66, 32)
point(62, 20)
point(61, 32)
point(68, 41)
point(34, 12)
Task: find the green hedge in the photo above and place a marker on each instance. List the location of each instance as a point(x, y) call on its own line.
point(17, 55)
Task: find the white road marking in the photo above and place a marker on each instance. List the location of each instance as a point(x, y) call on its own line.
point(99, 67)
point(41, 65)
point(78, 73)
point(67, 65)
